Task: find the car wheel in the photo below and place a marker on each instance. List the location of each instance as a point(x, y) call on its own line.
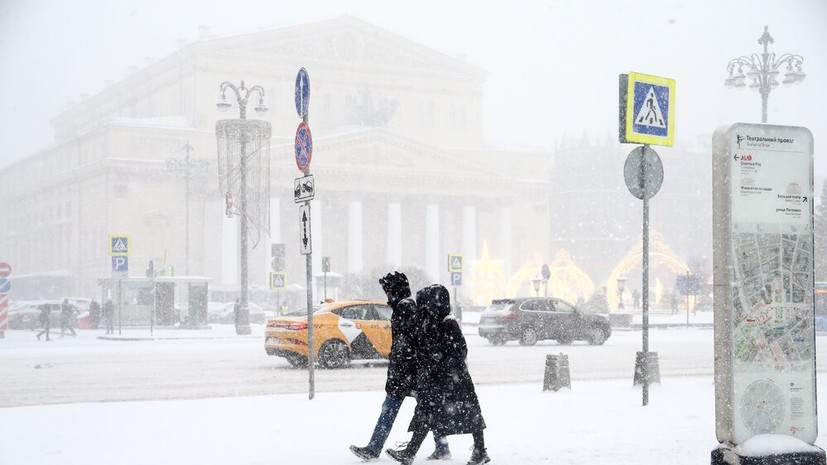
point(528, 337)
point(496, 340)
point(297, 361)
point(596, 336)
point(334, 354)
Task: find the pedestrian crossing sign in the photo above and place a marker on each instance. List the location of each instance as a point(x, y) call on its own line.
point(647, 109)
point(278, 281)
point(454, 263)
point(118, 245)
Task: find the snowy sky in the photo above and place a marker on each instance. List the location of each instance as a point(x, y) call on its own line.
point(552, 65)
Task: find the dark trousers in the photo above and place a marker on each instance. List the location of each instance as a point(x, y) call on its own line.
point(390, 408)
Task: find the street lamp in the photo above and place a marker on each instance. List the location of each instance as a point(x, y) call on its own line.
point(621, 285)
point(762, 71)
point(186, 167)
point(238, 134)
point(537, 282)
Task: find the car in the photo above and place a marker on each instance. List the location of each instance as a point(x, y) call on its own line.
point(342, 331)
point(532, 319)
point(225, 313)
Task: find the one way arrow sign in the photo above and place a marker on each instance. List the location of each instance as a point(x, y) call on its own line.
point(305, 244)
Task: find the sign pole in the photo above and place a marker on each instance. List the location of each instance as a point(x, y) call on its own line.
point(645, 278)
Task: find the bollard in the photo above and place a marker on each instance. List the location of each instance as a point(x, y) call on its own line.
point(652, 368)
point(557, 372)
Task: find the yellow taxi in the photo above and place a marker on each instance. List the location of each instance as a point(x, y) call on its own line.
point(342, 331)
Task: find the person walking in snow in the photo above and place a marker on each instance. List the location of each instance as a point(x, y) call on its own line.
point(447, 402)
point(66, 313)
point(45, 321)
point(94, 314)
point(402, 367)
point(109, 316)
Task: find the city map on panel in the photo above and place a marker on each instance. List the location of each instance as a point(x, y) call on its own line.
point(772, 271)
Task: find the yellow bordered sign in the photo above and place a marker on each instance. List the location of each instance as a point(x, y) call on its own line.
point(454, 263)
point(278, 281)
point(647, 109)
point(119, 245)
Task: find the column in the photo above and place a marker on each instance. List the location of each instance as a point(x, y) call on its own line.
point(469, 235)
point(506, 240)
point(275, 233)
point(354, 236)
point(395, 235)
point(229, 251)
point(316, 238)
point(432, 256)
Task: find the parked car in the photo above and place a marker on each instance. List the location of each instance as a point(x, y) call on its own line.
point(224, 313)
point(529, 320)
point(342, 331)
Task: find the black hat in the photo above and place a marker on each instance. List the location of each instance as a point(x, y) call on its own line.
point(395, 283)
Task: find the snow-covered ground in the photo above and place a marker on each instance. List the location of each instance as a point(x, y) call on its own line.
point(595, 422)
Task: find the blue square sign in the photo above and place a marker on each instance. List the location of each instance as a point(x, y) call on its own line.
point(120, 264)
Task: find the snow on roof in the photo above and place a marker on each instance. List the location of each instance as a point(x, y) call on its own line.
point(170, 122)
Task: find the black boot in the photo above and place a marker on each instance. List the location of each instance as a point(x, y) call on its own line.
point(479, 457)
point(364, 453)
point(404, 456)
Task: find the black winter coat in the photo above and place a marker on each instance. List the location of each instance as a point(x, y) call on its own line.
point(447, 402)
point(402, 359)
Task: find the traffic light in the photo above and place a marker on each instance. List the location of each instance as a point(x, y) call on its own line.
point(326, 264)
point(277, 257)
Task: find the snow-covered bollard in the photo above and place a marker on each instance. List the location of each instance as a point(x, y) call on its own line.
point(557, 372)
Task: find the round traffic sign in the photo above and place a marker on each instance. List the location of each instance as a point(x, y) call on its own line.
point(5, 269)
point(546, 272)
point(643, 172)
point(304, 147)
point(302, 93)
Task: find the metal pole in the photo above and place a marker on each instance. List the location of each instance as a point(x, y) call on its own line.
point(309, 265)
point(765, 95)
point(325, 286)
point(243, 326)
point(152, 310)
point(119, 307)
point(187, 207)
point(645, 314)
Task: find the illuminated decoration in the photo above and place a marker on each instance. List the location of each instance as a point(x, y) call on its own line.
point(661, 258)
point(488, 278)
point(567, 280)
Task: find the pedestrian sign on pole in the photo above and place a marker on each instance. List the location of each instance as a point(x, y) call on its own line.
point(118, 245)
point(278, 281)
point(454, 263)
point(456, 279)
point(647, 109)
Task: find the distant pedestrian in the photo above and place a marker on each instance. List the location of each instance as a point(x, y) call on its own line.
point(94, 314)
point(109, 316)
point(402, 367)
point(45, 321)
point(674, 304)
point(236, 312)
point(636, 298)
point(67, 311)
point(447, 402)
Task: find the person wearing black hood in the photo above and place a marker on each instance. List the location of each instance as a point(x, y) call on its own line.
point(402, 367)
point(447, 402)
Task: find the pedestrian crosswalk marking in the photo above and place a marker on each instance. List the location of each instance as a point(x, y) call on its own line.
point(650, 113)
point(119, 245)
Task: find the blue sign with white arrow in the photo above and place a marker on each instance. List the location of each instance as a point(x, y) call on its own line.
point(5, 284)
point(302, 93)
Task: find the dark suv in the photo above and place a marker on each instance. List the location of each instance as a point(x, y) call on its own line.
point(529, 320)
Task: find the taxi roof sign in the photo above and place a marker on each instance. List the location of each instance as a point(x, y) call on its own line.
point(647, 109)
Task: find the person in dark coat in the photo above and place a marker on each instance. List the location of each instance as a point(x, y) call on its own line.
point(402, 367)
point(66, 312)
point(45, 321)
point(447, 402)
point(94, 314)
point(109, 316)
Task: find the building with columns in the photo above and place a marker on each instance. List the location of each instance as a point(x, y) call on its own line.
point(403, 176)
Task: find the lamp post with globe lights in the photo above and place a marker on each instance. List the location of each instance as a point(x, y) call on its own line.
point(242, 141)
point(762, 69)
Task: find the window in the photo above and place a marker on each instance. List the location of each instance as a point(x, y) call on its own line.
point(563, 307)
point(354, 312)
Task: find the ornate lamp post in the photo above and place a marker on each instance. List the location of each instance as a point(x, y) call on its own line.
point(621, 286)
point(240, 142)
point(762, 71)
point(186, 167)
